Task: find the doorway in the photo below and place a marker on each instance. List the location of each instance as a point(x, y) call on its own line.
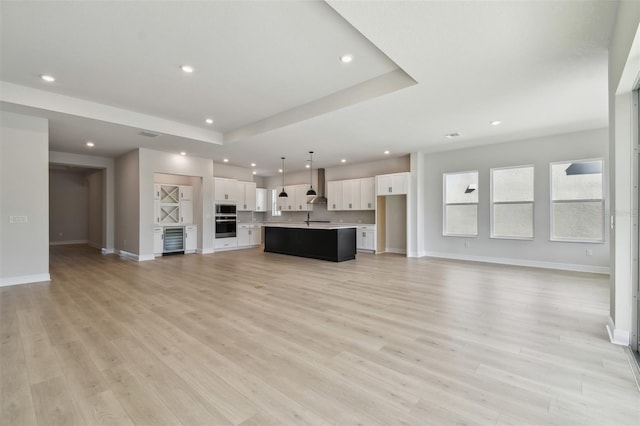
point(76, 205)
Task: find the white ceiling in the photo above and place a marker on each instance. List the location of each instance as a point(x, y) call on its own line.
point(269, 74)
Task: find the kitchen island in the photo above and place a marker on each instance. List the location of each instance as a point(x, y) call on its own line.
point(336, 243)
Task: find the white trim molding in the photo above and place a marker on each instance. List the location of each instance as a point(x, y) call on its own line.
point(618, 336)
point(205, 251)
point(68, 242)
point(24, 279)
point(135, 257)
point(523, 262)
point(107, 251)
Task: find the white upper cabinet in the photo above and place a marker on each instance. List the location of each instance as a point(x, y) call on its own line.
point(186, 212)
point(261, 200)
point(334, 195)
point(186, 192)
point(367, 194)
point(351, 194)
point(392, 184)
point(247, 202)
point(225, 189)
point(301, 198)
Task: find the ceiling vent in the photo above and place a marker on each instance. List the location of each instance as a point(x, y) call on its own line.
point(149, 134)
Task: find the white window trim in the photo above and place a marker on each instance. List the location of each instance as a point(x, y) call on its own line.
point(274, 203)
point(444, 205)
point(601, 200)
point(491, 204)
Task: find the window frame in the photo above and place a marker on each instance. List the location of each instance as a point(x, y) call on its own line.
point(492, 203)
point(445, 204)
point(274, 203)
point(601, 200)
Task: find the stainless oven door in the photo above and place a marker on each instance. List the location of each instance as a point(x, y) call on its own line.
point(225, 227)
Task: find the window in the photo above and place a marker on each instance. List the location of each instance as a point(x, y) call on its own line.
point(512, 202)
point(274, 203)
point(577, 204)
point(461, 203)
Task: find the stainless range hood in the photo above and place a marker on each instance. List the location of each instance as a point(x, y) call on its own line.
point(320, 198)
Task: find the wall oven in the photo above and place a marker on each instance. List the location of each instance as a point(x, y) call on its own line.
point(226, 220)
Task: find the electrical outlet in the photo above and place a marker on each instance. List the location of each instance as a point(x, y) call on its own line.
point(18, 219)
point(59, 234)
point(125, 242)
point(467, 243)
point(589, 252)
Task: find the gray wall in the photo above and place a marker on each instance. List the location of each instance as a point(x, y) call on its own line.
point(127, 208)
point(24, 191)
point(539, 152)
point(68, 207)
point(95, 181)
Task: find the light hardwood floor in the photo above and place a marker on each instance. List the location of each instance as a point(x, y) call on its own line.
point(253, 338)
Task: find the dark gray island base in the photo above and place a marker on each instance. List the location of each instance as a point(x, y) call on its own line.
point(336, 244)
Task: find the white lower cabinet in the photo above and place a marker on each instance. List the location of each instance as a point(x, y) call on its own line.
point(366, 238)
point(226, 243)
point(190, 238)
point(249, 235)
point(158, 240)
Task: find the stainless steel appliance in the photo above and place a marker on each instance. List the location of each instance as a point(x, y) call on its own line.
point(173, 239)
point(226, 220)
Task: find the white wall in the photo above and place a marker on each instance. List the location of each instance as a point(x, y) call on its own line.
point(68, 207)
point(24, 191)
point(95, 182)
point(539, 252)
point(152, 162)
point(624, 67)
point(244, 174)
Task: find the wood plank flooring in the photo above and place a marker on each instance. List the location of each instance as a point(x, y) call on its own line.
point(253, 338)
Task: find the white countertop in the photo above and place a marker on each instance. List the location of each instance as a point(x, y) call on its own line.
point(310, 226)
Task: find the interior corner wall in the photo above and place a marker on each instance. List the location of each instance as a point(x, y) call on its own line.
point(127, 209)
point(95, 235)
point(540, 251)
point(624, 67)
point(24, 193)
point(68, 207)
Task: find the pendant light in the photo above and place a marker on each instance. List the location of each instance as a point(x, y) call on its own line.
point(283, 194)
point(311, 191)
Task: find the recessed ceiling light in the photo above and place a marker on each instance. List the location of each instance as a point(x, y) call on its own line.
point(209, 120)
point(187, 68)
point(226, 160)
point(452, 135)
point(253, 164)
point(307, 166)
point(344, 160)
point(386, 152)
point(90, 144)
point(255, 173)
point(496, 122)
point(345, 59)
point(183, 153)
point(279, 170)
point(48, 78)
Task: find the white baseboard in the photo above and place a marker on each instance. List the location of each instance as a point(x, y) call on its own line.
point(522, 262)
point(24, 279)
point(618, 336)
point(145, 257)
point(64, 243)
point(395, 250)
point(135, 257)
point(205, 251)
point(107, 251)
